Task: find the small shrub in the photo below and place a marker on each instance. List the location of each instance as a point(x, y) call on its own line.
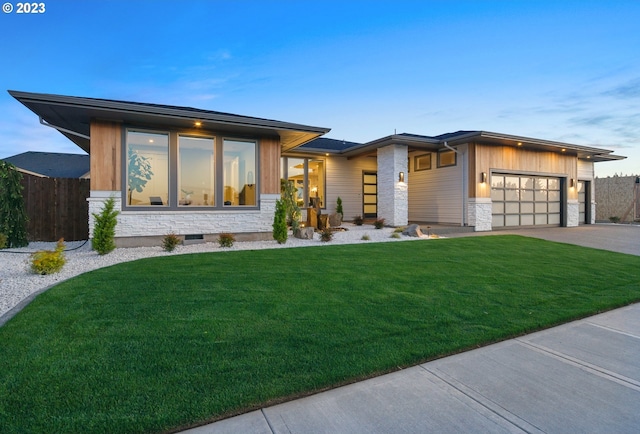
point(170, 241)
point(104, 230)
point(3, 241)
point(280, 231)
point(395, 235)
point(226, 240)
point(339, 209)
point(365, 237)
point(326, 235)
point(379, 223)
point(399, 230)
point(48, 261)
point(614, 219)
point(358, 220)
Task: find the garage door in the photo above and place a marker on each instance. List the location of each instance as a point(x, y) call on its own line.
point(524, 200)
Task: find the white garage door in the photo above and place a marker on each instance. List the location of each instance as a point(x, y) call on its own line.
point(524, 200)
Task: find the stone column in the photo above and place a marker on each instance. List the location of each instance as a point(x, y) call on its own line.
point(393, 194)
point(479, 213)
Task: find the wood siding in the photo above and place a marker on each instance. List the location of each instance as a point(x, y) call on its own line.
point(344, 179)
point(435, 195)
point(514, 160)
point(270, 165)
point(105, 156)
point(56, 207)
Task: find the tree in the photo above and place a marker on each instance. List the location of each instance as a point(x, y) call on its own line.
point(280, 223)
point(288, 193)
point(13, 216)
point(138, 172)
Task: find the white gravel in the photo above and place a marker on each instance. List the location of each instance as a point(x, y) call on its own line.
point(18, 284)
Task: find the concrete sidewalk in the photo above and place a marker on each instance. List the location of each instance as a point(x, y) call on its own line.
point(579, 377)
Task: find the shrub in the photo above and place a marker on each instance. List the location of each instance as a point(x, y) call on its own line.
point(288, 193)
point(614, 219)
point(226, 240)
point(13, 216)
point(358, 220)
point(48, 261)
point(395, 235)
point(326, 235)
point(170, 241)
point(3, 241)
point(280, 233)
point(104, 230)
point(365, 237)
point(339, 209)
point(379, 223)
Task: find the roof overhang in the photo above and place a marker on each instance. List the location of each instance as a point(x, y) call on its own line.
point(72, 117)
point(412, 142)
point(582, 152)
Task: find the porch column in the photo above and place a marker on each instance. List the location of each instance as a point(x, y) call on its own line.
point(393, 194)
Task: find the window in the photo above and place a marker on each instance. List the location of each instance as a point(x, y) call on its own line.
point(147, 173)
point(239, 173)
point(446, 158)
point(197, 171)
point(180, 171)
point(422, 162)
point(308, 176)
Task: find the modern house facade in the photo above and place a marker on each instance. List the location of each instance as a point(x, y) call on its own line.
point(200, 173)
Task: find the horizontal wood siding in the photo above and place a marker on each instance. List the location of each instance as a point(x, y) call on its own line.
point(344, 179)
point(435, 195)
point(585, 170)
point(515, 160)
point(105, 155)
point(269, 165)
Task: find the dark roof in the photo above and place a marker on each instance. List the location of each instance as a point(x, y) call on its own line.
point(325, 144)
point(72, 117)
point(52, 164)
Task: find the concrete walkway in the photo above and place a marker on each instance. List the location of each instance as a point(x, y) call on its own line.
point(579, 377)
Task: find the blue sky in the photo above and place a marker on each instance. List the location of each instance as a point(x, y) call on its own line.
point(557, 70)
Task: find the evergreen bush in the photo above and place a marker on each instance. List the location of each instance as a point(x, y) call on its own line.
point(339, 209)
point(226, 240)
point(280, 233)
point(169, 242)
point(104, 230)
point(3, 241)
point(13, 215)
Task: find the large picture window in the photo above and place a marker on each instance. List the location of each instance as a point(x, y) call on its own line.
point(179, 171)
point(239, 173)
point(197, 171)
point(147, 175)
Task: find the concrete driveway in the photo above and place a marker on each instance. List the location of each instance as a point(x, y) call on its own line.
point(581, 377)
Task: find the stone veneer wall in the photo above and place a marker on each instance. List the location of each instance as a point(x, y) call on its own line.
point(573, 213)
point(139, 224)
point(614, 196)
point(479, 213)
point(393, 196)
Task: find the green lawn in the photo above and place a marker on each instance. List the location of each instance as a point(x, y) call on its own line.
point(161, 343)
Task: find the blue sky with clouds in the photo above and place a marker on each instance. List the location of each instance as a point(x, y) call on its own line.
point(557, 70)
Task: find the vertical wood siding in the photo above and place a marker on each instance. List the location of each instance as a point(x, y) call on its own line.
point(269, 165)
point(105, 155)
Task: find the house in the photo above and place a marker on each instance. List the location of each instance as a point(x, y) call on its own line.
point(51, 164)
point(199, 173)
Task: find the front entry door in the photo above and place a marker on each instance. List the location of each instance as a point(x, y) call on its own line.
point(370, 194)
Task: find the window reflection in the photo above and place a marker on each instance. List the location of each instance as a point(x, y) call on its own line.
point(239, 159)
point(147, 169)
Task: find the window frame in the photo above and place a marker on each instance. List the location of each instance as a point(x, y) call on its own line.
point(284, 165)
point(417, 158)
point(174, 170)
point(447, 151)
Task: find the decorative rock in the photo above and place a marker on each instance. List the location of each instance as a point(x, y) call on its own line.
point(335, 220)
point(305, 233)
point(412, 231)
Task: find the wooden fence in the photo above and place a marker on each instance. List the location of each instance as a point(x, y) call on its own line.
point(618, 196)
point(57, 208)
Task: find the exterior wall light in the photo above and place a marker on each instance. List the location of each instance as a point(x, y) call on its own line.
point(401, 177)
point(573, 183)
point(483, 177)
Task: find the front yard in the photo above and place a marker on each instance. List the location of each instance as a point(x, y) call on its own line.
point(162, 343)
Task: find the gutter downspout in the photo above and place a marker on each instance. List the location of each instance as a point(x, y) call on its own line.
point(63, 130)
point(464, 184)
